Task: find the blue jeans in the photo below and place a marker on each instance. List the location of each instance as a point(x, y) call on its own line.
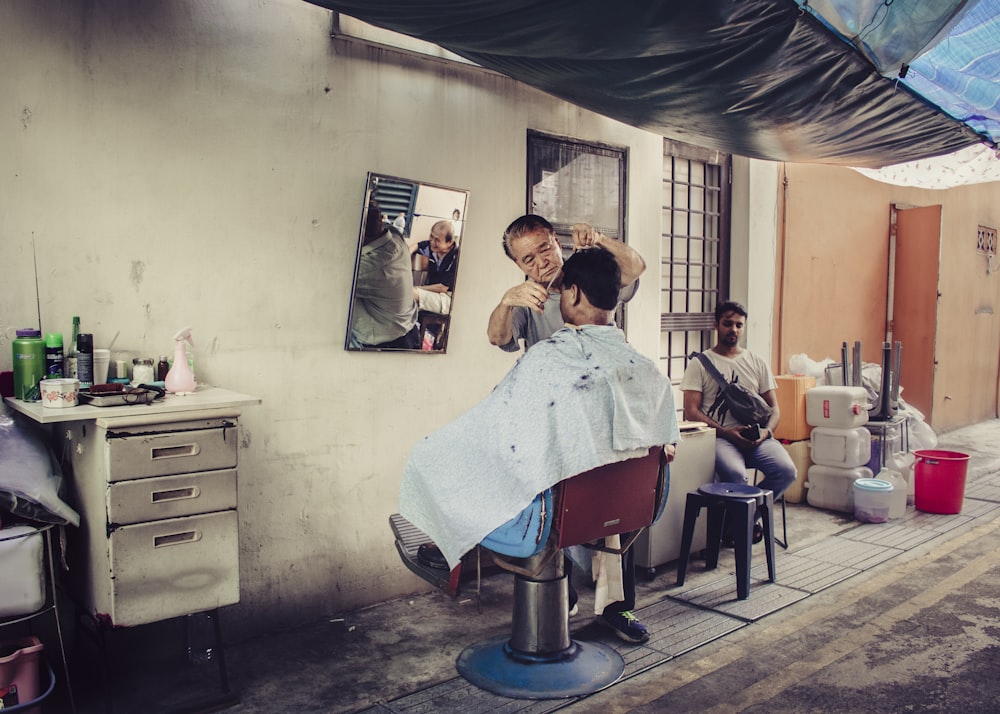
point(769, 457)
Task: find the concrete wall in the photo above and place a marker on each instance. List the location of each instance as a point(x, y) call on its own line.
point(203, 163)
point(833, 280)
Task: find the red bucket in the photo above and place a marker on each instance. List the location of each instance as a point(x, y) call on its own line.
point(939, 480)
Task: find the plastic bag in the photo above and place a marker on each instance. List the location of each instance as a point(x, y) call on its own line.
point(921, 436)
point(30, 476)
point(802, 364)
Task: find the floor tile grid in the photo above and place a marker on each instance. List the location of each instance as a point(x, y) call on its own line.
point(709, 611)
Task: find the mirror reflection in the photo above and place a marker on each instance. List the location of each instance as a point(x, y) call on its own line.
point(406, 266)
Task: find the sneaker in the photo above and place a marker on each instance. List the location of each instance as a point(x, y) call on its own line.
point(574, 610)
point(626, 626)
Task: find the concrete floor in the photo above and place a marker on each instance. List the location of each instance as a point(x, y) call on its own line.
point(907, 620)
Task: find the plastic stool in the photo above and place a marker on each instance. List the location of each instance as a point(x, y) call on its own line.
point(739, 503)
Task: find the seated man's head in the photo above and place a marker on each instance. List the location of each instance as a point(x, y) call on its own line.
point(442, 237)
point(591, 280)
point(374, 225)
point(530, 241)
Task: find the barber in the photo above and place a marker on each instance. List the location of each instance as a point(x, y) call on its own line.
point(530, 311)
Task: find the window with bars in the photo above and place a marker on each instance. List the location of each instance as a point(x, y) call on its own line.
point(695, 233)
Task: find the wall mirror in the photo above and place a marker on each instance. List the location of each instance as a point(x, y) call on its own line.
point(406, 268)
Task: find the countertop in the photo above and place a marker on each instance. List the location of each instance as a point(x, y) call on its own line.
point(205, 397)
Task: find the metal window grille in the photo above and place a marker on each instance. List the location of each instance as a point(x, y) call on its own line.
point(695, 232)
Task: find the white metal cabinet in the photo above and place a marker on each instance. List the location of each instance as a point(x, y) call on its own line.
point(693, 466)
point(159, 531)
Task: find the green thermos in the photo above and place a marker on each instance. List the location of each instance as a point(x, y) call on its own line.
point(29, 364)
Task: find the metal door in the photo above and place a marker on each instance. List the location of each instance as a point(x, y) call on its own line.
point(914, 293)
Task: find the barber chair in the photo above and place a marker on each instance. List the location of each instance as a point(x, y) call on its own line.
point(539, 660)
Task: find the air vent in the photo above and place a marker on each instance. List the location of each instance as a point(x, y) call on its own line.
point(986, 240)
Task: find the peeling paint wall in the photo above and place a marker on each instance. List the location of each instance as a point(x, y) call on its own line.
point(187, 163)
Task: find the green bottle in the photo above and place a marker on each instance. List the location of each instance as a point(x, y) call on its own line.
point(29, 364)
point(53, 355)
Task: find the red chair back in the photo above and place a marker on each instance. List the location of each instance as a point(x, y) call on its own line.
point(611, 499)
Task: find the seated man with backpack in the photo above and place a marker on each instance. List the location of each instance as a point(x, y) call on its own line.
point(743, 425)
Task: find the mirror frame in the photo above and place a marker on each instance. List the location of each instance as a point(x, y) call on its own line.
point(371, 187)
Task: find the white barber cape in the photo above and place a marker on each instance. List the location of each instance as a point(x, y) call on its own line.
point(578, 400)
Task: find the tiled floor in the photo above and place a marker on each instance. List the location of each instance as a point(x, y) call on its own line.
point(701, 612)
point(400, 656)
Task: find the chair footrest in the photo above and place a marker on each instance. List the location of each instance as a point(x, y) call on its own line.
point(409, 538)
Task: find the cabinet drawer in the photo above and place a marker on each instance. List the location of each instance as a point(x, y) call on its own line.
point(172, 452)
point(153, 499)
point(174, 567)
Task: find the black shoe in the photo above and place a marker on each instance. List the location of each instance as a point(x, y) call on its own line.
point(430, 555)
point(626, 626)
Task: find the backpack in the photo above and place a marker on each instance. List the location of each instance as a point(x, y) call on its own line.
point(747, 407)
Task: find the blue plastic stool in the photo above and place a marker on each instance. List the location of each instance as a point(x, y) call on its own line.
point(739, 504)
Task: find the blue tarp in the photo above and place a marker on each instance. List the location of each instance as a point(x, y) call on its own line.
point(947, 51)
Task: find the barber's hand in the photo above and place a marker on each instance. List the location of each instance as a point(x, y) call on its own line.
point(528, 294)
point(585, 236)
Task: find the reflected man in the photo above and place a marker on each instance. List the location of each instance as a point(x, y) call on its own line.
point(441, 252)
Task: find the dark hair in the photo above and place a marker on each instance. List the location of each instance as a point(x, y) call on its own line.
point(373, 220)
point(729, 306)
point(444, 230)
point(524, 225)
point(595, 271)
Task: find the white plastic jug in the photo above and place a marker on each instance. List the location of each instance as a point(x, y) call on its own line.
point(845, 448)
point(897, 502)
point(841, 407)
point(832, 487)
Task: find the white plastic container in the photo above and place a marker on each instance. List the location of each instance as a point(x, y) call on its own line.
point(897, 504)
point(840, 407)
point(832, 487)
point(22, 580)
point(59, 393)
point(872, 500)
point(846, 448)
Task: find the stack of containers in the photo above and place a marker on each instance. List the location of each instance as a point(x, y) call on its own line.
point(793, 429)
point(840, 445)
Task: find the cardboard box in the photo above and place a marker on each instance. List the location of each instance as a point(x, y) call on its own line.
point(791, 394)
point(801, 456)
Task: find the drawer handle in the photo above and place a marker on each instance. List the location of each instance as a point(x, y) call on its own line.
point(176, 539)
point(176, 494)
point(175, 452)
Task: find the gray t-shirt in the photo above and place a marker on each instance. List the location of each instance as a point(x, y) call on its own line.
point(753, 372)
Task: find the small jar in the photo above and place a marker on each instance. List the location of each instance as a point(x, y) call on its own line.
point(142, 371)
point(162, 367)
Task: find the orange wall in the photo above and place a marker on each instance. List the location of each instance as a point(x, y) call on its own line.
point(832, 273)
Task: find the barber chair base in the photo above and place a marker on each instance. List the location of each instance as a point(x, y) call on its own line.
point(582, 668)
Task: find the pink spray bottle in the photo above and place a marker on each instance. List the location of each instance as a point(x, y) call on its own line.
point(180, 378)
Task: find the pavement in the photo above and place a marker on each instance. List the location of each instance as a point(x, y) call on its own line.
point(900, 616)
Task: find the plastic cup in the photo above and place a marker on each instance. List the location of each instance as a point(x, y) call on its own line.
point(102, 360)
